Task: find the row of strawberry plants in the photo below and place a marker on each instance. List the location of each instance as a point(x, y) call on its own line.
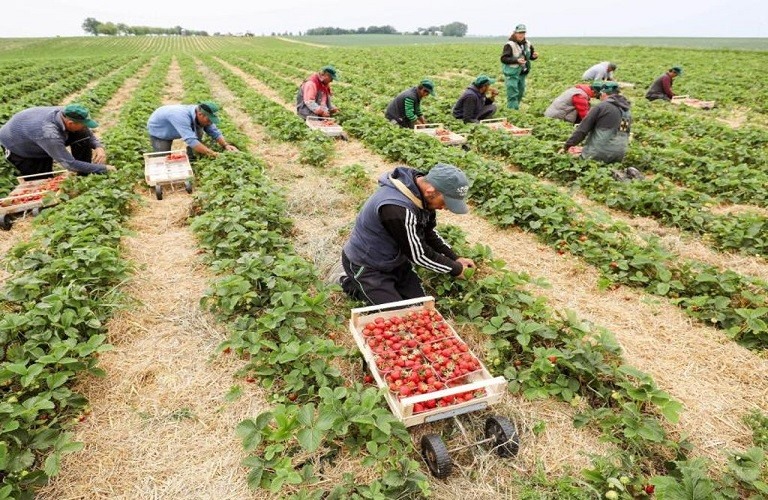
point(581, 367)
point(278, 310)
point(55, 305)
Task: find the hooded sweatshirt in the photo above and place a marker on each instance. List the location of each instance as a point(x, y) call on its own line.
point(606, 129)
point(391, 230)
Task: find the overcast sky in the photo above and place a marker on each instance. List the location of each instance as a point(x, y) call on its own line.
point(684, 18)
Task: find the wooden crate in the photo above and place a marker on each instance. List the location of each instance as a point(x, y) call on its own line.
point(494, 387)
point(30, 185)
point(439, 132)
point(328, 126)
point(695, 103)
point(504, 125)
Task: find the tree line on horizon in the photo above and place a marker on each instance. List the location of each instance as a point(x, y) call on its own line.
point(95, 27)
point(452, 29)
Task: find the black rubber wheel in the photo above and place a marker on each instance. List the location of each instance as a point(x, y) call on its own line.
point(158, 192)
point(188, 186)
point(5, 223)
point(506, 443)
point(436, 455)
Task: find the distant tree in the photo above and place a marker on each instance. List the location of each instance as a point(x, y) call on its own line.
point(108, 28)
point(454, 29)
point(91, 26)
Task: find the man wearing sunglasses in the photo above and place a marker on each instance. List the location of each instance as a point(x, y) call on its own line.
point(187, 122)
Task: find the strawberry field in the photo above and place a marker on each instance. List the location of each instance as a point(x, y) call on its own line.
point(191, 347)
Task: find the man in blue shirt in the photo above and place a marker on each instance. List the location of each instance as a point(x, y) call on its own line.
point(36, 137)
point(187, 122)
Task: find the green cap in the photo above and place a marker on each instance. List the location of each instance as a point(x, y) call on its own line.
point(452, 184)
point(209, 109)
point(79, 114)
point(483, 80)
point(429, 85)
point(597, 85)
point(610, 88)
point(520, 28)
point(330, 70)
point(677, 69)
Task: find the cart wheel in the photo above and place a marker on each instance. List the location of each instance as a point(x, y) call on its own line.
point(505, 439)
point(5, 223)
point(188, 186)
point(35, 212)
point(436, 455)
point(159, 192)
point(365, 366)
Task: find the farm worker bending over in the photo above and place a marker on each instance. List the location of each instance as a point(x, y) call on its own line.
point(187, 122)
point(573, 104)
point(314, 95)
point(476, 103)
point(661, 88)
point(600, 71)
point(516, 60)
point(606, 127)
point(396, 227)
point(32, 139)
point(405, 109)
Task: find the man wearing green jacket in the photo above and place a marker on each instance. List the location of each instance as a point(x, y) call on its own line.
point(516, 60)
point(405, 109)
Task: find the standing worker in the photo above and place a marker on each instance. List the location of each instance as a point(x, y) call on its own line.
point(405, 109)
point(606, 127)
point(661, 88)
point(476, 103)
point(314, 95)
point(516, 63)
point(600, 71)
point(396, 227)
point(573, 104)
point(36, 137)
point(187, 122)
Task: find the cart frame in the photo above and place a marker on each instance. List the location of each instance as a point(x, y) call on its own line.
point(26, 181)
point(158, 172)
point(430, 129)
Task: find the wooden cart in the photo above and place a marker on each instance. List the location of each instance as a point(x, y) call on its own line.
point(695, 103)
point(328, 126)
point(168, 169)
point(503, 124)
point(31, 195)
point(439, 132)
point(499, 431)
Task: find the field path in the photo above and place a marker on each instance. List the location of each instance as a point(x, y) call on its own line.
point(160, 426)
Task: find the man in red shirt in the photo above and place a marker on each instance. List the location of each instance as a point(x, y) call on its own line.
point(573, 104)
point(661, 88)
point(314, 95)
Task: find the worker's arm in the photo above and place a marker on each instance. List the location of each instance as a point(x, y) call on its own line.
point(309, 91)
point(55, 148)
point(584, 128)
point(666, 86)
point(402, 225)
point(412, 109)
point(225, 145)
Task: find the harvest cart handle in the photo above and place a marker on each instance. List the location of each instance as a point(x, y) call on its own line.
point(479, 384)
point(55, 172)
point(392, 305)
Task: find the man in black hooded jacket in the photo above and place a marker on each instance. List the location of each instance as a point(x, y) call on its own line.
point(606, 127)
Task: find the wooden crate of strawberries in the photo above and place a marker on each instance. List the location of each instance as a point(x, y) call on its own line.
point(428, 370)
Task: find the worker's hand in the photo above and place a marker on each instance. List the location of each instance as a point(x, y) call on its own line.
point(230, 147)
point(535, 54)
point(521, 61)
point(323, 113)
point(465, 264)
point(334, 111)
point(494, 92)
point(110, 168)
point(99, 156)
